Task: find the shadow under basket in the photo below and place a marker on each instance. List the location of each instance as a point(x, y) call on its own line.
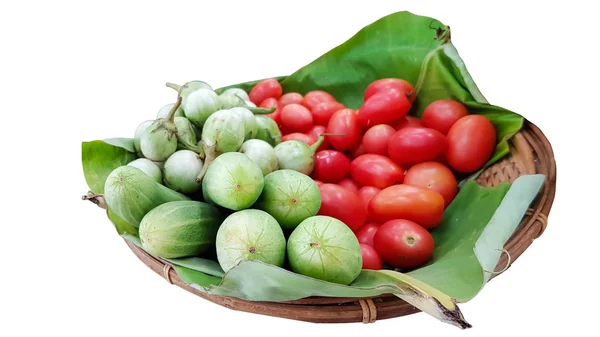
point(531, 153)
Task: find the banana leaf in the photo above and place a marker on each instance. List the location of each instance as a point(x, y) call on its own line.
point(476, 225)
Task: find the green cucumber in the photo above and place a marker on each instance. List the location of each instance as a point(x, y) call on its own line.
point(131, 194)
point(180, 229)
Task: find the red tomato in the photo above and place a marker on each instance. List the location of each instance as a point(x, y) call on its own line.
point(418, 204)
point(299, 136)
point(330, 166)
point(415, 145)
point(391, 83)
point(269, 103)
point(408, 121)
point(471, 143)
point(313, 98)
point(384, 107)
point(376, 170)
point(366, 193)
point(434, 176)
point(265, 89)
point(342, 204)
point(376, 139)
point(366, 233)
point(344, 122)
point(370, 258)
point(296, 118)
point(442, 114)
point(318, 182)
point(315, 132)
point(403, 243)
point(289, 98)
point(350, 185)
point(322, 112)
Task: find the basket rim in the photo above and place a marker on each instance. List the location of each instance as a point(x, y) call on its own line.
point(385, 306)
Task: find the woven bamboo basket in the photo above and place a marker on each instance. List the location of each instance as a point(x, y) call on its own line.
point(530, 153)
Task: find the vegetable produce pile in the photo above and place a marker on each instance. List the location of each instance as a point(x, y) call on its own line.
point(322, 183)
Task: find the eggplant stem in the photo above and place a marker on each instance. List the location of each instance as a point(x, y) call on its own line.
point(209, 156)
point(173, 86)
point(171, 114)
point(97, 199)
point(313, 148)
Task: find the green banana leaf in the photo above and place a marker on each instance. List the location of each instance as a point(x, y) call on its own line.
point(99, 158)
point(403, 45)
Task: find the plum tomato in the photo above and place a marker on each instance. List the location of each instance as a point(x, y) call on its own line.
point(331, 166)
point(403, 243)
point(376, 139)
point(366, 233)
point(289, 98)
point(415, 145)
point(384, 107)
point(342, 204)
point(275, 115)
point(414, 203)
point(376, 170)
point(471, 143)
point(313, 98)
point(318, 182)
point(268, 88)
point(345, 125)
point(299, 136)
point(408, 121)
point(390, 83)
point(350, 185)
point(442, 114)
point(296, 118)
point(322, 112)
point(315, 132)
point(370, 258)
point(434, 176)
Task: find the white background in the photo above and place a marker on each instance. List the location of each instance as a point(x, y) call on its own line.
point(82, 70)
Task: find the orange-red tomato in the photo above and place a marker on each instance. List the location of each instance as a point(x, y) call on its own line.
point(471, 143)
point(403, 243)
point(418, 204)
point(342, 204)
point(265, 89)
point(331, 166)
point(370, 258)
point(434, 176)
point(289, 98)
point(442, 114)
point(415, 145)
point(390, 83)
point(383, 107)
point(350, 185)
point(344, 124)
point(366, 233)
point(322, 112)
point(408, 121)
point(376, 139)
point(296, 118)
point(376, 170)
point(315, 97)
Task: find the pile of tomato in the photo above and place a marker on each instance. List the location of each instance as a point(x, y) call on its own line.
point(386, 174)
